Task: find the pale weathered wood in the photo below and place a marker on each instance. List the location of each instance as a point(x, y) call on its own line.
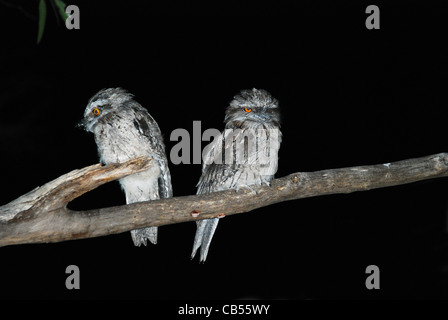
point(59, 192)
point(45, 218)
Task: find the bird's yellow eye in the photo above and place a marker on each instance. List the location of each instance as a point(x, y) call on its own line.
point(247, 109)
point(96, 111)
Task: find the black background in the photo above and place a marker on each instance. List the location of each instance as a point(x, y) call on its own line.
point(349, 96)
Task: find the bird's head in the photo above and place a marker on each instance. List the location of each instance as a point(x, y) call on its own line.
point(252, 108)
point(102, 103)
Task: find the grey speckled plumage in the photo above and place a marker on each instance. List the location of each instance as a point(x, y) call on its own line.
point(123, 130)
point(254, 114)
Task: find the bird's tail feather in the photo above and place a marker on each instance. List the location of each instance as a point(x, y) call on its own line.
point(139, 236)
point(204, 234)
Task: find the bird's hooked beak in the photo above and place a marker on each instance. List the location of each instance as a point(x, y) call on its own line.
point(82, 124)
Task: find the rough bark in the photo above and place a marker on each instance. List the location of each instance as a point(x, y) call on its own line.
point(42, 215)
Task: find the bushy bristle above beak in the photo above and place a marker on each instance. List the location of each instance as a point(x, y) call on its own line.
point(82, 124)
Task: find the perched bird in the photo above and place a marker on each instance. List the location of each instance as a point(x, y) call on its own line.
point(245, 154)
point(123, 130)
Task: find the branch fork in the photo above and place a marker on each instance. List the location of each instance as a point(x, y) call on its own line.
point(42, 216)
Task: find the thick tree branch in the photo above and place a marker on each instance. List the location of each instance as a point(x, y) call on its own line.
point(42, 216)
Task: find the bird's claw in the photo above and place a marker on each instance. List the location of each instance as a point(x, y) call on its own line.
point(267, 183)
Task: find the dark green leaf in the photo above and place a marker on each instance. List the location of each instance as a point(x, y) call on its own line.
point(61, 6)
point(42, 18)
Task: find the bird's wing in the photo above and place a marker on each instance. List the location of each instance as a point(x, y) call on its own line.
point(219, 172)
point(165, 187)
point(150, 131)
point(145, 128)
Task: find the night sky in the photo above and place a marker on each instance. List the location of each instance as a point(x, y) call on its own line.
point(348, 96)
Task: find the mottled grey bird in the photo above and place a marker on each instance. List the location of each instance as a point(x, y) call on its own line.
point(245, 154)
point(123, 130)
